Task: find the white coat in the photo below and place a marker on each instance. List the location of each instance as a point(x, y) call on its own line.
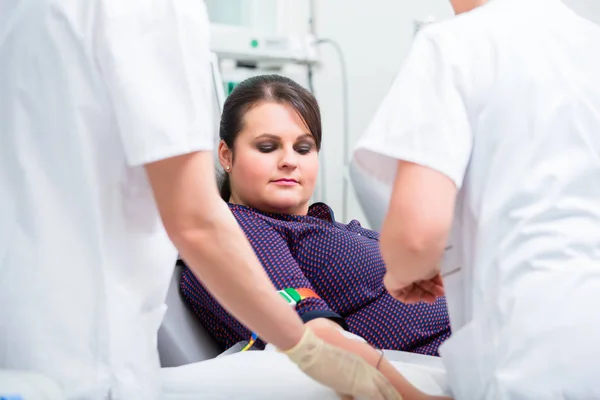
point(90, 91)
point(505, 101)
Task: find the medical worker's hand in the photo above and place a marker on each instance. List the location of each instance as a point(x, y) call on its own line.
point(427, 290)
point(346, 373)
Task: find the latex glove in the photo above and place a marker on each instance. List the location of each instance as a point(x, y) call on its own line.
point(346, 373)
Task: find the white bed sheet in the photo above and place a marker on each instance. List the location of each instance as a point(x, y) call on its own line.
point(257, 375)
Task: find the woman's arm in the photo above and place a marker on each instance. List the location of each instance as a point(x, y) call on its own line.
point(329, 332)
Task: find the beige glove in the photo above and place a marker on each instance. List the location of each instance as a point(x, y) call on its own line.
point(346, 373)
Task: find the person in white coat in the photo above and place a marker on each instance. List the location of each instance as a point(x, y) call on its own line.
point(489, 140)
point(106, 170)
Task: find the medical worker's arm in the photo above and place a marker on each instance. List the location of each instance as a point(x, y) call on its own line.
point(420, 144)
point(423, 201)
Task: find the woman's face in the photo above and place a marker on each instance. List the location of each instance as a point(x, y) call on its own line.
point(275, 163)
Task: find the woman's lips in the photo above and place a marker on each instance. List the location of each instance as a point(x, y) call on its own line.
point(286, 182)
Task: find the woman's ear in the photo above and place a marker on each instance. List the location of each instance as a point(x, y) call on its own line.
point(225, 156)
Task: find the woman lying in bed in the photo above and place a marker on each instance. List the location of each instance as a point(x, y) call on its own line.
point(270, 138)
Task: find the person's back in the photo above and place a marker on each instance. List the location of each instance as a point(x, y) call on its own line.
point(528, 214)
point(84, 259)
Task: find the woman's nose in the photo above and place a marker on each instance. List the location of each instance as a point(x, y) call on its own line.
point(289, 159)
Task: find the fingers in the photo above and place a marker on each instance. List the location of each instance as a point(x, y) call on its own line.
point(391, 285)
point(424, 295)
point(431, 288)
point(428, 298)
point(439, 284)
point(416, 293)
point(370, 384)
point(427, 290)
point(387, 390)
point(438, 280)
point(409, 295)
point(401, 295)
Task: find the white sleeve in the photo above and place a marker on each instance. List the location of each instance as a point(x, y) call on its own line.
point(154, 57)
point(422, 120)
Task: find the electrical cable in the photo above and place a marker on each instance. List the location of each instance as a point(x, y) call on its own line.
point(322, 194)
point(345, 126)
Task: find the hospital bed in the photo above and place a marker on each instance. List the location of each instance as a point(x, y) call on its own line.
point(182, 340)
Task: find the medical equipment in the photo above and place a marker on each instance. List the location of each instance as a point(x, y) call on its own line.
point(243, 44)
point(251, 342)
point(293, 297)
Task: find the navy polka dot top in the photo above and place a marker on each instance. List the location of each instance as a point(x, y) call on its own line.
point(343, 265)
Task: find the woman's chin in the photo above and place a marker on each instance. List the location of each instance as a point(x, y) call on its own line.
point(286, 204)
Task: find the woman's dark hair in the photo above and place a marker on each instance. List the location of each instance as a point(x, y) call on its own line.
point(270, 88)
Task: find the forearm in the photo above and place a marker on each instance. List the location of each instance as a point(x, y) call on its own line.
point(218, 253)
point(329, 332)
point(406, 259)
point(417, 224)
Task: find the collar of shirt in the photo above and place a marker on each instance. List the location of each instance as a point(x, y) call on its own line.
point(317, 210)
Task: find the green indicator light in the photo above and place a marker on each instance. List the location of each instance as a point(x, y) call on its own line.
point(254, 43)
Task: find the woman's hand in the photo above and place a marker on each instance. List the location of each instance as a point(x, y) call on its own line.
point(427, 290)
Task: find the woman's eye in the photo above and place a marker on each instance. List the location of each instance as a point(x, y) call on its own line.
point(304, 148)
point(266, 148)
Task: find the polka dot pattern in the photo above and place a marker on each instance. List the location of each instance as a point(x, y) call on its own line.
point(343, 264)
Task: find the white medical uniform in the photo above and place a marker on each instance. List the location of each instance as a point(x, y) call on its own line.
point(90, 91)
point(505, 101)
